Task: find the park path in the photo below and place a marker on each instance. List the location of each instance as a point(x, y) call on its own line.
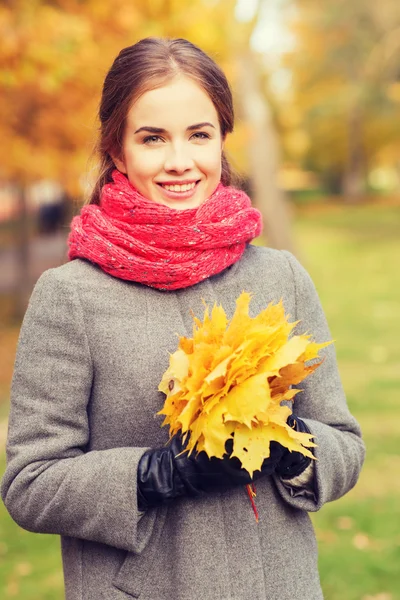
point(45, 252)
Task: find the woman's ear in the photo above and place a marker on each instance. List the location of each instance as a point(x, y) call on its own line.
point(119, 163)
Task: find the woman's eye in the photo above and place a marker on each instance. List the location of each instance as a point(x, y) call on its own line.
point(201, 135)
point(152, 139)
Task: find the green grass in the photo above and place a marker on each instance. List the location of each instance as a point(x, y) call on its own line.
point(352, 254)
point(359, 548)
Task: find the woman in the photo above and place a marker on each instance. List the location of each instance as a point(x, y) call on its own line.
point(87, 458)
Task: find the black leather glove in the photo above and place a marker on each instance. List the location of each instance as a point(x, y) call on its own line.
point(293, 463)
point(164, 473)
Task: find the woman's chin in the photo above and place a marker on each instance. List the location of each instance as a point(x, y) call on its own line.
point(183, 205)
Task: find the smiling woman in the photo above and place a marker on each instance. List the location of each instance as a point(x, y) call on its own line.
point(171, 76)
point(87, 459)
point(179, 163)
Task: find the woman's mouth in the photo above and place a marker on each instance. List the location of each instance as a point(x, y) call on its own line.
point(179, 188)
point(179, 191)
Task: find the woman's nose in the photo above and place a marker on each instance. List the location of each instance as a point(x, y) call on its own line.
point(178, 159)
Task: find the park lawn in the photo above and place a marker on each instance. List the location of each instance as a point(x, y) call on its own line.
point(350, 253)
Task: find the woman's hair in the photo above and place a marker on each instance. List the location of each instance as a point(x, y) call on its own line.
point(149, 64)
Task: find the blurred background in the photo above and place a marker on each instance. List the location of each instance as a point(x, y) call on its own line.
point(317, 145)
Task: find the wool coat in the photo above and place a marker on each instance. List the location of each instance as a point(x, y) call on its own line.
point(91, 354)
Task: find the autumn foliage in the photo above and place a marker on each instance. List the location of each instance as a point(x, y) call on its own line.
point(53, 60)
point(230, 379)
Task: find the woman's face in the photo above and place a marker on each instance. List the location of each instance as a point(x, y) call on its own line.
point(172, 145)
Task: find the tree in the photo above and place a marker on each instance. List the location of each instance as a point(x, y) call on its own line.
point(344, 68)
point(55, 55)
point(264, 157)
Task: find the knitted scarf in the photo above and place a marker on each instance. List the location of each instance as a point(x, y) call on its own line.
point(133, 238)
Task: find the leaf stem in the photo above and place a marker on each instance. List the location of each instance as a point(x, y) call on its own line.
point(251, 492)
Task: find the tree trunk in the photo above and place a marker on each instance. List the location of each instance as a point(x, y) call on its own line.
point(354, 177)
point(22, 253)
point(264, 154)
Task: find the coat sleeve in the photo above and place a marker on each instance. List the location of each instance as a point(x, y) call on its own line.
point(322, 405)
point(52, 484)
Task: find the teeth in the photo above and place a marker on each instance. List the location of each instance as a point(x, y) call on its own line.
point(179, 188)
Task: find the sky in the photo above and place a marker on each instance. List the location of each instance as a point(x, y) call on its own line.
point(271, 36)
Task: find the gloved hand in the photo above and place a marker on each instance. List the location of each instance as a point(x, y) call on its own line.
point(293, 463)
point(164, 473)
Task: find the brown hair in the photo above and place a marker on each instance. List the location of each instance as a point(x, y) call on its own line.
point(148, 64)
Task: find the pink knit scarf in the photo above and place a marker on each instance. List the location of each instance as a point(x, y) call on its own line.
point(133, 238)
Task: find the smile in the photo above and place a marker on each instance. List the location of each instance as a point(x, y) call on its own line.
point(178, 188)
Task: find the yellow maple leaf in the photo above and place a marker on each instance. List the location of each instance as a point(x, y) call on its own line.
point(176, 373)
point(230, 379)
point(212, 431)
point(245, 400)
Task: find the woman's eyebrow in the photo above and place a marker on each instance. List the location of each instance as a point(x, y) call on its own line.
point(161, 130)
point(150, 129)
point(200, 125)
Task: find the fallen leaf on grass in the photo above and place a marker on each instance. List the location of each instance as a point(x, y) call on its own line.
point(23, 569)
point(345, 523)
point(361, 541)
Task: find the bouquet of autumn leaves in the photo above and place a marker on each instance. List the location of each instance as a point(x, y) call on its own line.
point(230, 379)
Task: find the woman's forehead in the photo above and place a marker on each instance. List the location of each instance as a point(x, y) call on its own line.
point(181, 101)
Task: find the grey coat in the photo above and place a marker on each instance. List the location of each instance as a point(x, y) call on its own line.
point(91, 353)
